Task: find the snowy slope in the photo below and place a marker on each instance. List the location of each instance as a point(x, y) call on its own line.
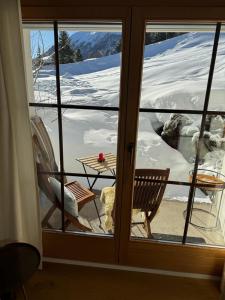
point(175, 75)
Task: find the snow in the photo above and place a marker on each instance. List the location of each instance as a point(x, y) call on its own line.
point(175, 74)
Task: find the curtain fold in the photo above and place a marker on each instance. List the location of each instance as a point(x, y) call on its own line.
point(19, 206)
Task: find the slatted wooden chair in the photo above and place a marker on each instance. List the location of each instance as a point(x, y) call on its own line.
point(81, 194)
point(149, 188)
point(45, 162)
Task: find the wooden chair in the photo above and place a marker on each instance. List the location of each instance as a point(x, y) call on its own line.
point(45, 162)
point(81, 194)
point(148, 193)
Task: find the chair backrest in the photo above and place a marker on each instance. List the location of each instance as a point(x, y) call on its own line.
point(44, 156)
point(148, 191)
point(43, 149)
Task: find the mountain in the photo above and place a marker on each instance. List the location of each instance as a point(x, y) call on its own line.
point(92, 44)
point(96, 44)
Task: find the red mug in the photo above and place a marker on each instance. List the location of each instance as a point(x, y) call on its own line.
point(101, 157)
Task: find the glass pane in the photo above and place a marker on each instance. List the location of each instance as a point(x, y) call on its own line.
point(90, 62)
point(44, 126)
point(95, 207)
point(40, 63)
point(168, 141)
point(176, 65)
point(86, 133)
point(217, 94)
point(168, 219)
point(208, 212)
point(207, 217)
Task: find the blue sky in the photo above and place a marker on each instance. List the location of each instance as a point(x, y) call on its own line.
point(45, 39)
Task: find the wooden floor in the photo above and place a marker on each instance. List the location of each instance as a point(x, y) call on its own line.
point(65, 282)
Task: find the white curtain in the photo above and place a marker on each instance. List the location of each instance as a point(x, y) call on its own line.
point(19, 208)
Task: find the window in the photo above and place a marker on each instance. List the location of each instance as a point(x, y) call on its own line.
point(74, 112)
point(76, 95)
point(181, 128)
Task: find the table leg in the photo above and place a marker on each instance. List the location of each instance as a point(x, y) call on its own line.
point(218, 212)
point(216, 215)
point(100, 221)
point(91, 187)
point(93, 183)
point(114, 174)
point(86, 176)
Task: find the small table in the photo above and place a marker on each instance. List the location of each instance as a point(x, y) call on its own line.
point(109, 164)
point(212, 183)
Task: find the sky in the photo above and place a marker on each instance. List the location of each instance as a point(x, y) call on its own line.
point(45, 38)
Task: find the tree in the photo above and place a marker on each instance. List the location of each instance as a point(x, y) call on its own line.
point(38, 60)
point(79, 56)
point(155, 37)
point(118, 47)
point(66, 50)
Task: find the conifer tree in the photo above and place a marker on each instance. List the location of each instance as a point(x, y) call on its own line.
point(66, 49)
point(38, 60)
point(79, 56)
point(118, 47)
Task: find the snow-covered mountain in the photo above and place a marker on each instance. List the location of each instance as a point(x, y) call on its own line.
point(92, 44)
point(96, 44)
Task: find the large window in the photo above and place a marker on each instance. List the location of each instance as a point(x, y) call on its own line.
point(74, 103)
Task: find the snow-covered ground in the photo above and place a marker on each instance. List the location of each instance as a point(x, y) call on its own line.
point(175, 74)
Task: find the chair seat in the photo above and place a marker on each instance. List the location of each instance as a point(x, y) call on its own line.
point(82, 194)
point(107, 198)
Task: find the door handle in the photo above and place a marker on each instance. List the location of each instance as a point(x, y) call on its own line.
point(130, 149)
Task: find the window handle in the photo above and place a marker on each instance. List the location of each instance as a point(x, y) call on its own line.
point(130, 149)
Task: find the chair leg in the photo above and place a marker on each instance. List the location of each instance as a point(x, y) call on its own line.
point(48, 216)
point(78, 225)
point(100, 221)
point(67, 222)
point(148, 227)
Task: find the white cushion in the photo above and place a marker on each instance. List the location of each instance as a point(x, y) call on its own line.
point(70, 202)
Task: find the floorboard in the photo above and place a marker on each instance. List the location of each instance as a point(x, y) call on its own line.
point(61, 282)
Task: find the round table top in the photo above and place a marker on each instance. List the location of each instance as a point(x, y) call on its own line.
point(213, 181)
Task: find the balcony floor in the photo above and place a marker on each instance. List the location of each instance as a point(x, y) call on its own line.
point(168, 224)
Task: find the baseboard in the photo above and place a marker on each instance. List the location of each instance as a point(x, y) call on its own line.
point(131, 269)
